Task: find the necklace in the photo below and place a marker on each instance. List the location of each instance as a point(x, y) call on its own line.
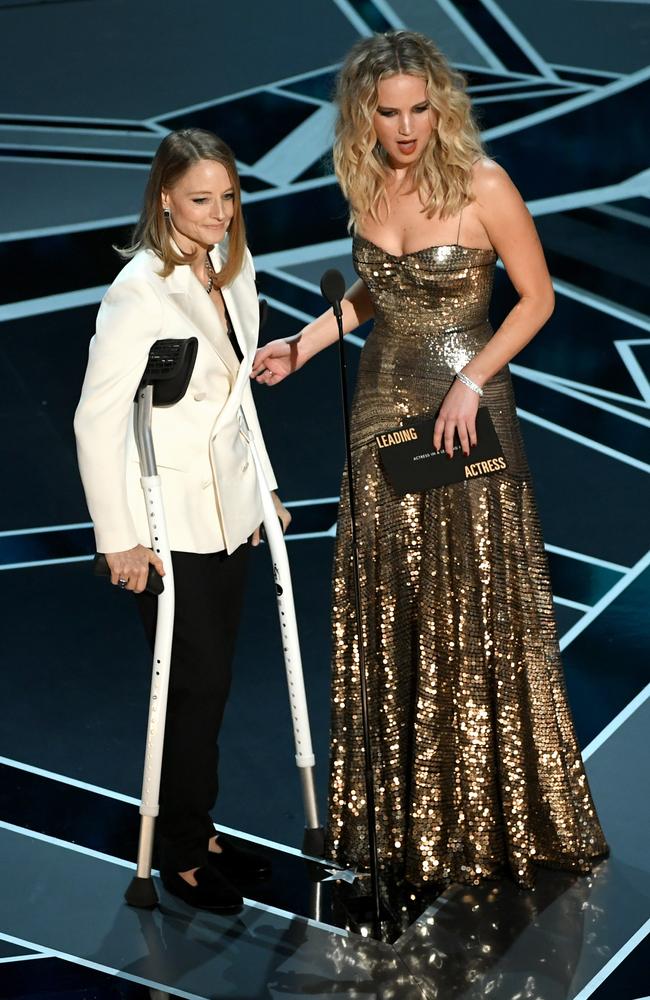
point(209, 268)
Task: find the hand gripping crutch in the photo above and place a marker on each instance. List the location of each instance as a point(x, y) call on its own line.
point(314, 837)
point(164, 383)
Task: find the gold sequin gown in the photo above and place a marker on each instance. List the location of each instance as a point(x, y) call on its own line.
point(477, 768)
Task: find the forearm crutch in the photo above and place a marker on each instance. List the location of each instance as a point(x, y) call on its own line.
point(314, 837)
point(164, 383)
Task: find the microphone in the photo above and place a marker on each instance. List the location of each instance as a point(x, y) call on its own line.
point(332, 286)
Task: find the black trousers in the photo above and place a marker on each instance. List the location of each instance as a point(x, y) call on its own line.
point(209, 595)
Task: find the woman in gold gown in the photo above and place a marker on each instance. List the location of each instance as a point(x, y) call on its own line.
point(476, 764)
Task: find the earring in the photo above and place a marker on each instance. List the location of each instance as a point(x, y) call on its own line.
point(167, 213)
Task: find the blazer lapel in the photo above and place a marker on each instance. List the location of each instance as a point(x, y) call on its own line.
point(245, 321)
point(243, 306)
point(188, 295)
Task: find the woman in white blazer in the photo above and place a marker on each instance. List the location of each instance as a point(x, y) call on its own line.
point(189, 274)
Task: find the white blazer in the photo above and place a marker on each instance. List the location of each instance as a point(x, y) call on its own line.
point(209, 483)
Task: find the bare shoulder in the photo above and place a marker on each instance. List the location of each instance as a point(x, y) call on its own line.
point(496, 197)
point(490, 180)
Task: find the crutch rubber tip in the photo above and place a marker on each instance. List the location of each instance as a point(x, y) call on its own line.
point(142, 893)
point(313, 842)
point(362, 916)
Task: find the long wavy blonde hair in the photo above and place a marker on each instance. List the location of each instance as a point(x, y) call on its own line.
point(443, 173)
point(176, 153)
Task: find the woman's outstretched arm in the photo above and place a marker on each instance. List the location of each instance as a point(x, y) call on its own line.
point(280, 358)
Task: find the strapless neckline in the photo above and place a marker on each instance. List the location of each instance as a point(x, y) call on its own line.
point(415, 253)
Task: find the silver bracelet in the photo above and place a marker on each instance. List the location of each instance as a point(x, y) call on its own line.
point(468, 382)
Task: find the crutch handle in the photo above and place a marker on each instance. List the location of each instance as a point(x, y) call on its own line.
point(155, 583)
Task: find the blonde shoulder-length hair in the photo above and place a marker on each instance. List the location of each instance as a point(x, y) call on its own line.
point(443, 172)
point(177, 152)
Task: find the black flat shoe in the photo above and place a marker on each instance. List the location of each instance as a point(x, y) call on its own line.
point(212, 891)
point(238, 863)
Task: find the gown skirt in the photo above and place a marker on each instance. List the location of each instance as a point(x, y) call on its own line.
point(476, 764)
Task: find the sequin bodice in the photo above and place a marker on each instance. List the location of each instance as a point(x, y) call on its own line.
point(431, 306)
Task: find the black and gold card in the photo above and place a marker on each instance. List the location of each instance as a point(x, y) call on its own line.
point(412, 464)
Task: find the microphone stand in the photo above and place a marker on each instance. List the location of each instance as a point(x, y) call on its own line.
point(369, 776)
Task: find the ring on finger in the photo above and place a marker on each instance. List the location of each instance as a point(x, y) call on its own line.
point(122, 583)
